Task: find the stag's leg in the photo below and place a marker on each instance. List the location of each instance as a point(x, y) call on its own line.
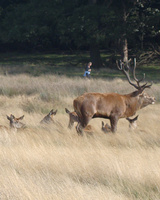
point(82, 124)
point(114, 121)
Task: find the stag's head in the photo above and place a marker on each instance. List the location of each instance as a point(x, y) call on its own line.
point(143, 98)
point(15, 122)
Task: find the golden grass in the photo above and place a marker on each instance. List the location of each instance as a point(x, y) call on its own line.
point(52, 162)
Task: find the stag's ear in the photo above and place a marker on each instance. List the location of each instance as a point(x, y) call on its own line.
point(102, 124)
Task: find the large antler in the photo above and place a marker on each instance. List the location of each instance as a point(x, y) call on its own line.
point(121, 66)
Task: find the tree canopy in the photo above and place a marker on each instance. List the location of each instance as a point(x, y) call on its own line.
point(80, 24)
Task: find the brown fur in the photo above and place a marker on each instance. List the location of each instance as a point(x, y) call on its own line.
point(112, 106)
point(73, 117)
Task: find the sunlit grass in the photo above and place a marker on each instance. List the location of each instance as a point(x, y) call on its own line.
point(53, 162)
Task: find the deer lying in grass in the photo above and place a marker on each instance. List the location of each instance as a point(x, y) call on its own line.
point(73, 117)
point(15, 123)
point(112, 106)
point(49, 117)
point(105, 128)
point(132, 125)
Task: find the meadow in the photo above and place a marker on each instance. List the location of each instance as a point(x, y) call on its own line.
point(46, 162)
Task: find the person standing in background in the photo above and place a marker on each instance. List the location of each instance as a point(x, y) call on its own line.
point(87, 72)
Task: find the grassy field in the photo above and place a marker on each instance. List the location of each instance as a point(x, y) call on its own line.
point(53, 162)
point(68, 64)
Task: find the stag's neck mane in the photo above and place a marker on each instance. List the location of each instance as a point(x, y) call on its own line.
point(134, 94)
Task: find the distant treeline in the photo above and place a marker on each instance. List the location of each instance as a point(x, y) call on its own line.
point(116, 26)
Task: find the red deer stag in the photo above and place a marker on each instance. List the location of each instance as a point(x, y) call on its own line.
point(49, 118)
point(112, 106)
point(15, 122)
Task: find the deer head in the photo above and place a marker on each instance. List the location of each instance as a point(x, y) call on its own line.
point(143, 98)
point(73, 117)
point(49, 118)
point(15, 122)
point(105, 128)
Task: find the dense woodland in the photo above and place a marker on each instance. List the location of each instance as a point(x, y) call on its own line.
point(120, 27)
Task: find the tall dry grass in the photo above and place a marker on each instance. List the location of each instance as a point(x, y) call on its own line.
point(52, 162)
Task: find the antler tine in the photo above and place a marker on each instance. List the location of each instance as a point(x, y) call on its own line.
point(134, 75)
point(121, 68)
point(138, 81)
point(121, 65)
point(146, 86)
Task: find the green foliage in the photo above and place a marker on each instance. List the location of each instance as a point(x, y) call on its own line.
point(46, 25)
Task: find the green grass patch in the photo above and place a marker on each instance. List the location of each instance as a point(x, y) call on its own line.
point(66, 64)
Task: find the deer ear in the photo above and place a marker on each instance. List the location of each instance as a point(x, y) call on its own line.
point(55, 112)
point(127, 119)
point(20, 118)
point(102, 123)
point(8, 117)
point(136, 117)
point(51, 112)
point(67, 111)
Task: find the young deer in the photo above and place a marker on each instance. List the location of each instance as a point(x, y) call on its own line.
point(73, 117)
point(132, 122)
point(15, 122)
point(49, 118)
point(132, 125)
point(106, 128)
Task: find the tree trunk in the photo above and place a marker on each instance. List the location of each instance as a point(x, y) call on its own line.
point(124, 42)
point(95, 56)
point(94, 48)
point(124, 49)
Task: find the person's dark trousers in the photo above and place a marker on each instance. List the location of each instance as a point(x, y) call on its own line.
point(88, 75)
